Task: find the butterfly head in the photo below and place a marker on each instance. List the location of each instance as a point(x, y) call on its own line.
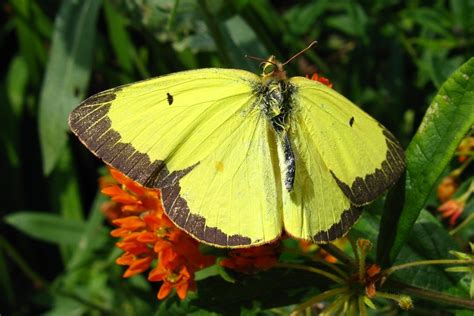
point(273, 69)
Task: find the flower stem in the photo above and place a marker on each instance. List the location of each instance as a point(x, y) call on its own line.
point(318, 298)
point(355, 250)
point(317, 259)
point(462, 225)
point(338, 253)
point(362, 308)
point(392, 269)
point(457, 172)
point(433, 295)
point(37, 280)
point(328, 275)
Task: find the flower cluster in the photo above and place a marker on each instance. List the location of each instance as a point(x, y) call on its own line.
point(321, 79)
point(250, 260)
point(453, 203)
point(147, 235)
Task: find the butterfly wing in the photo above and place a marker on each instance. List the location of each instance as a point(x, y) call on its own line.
point(200, 137)
point(345, 160)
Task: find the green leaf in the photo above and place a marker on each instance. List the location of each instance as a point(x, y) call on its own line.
point(462, 15)
point(47, 227)
point(12, 109)
point(66, 197)
point(447, 120)
point(353, 22)
point(431, 20)
point(121, 42)
point(89, 240)
point(17, 79)
point(64, 305)
point(306, 15)
point(240, 40)
point(67, 74)
point(429, 240)
point(207, 272)
point(32, 27)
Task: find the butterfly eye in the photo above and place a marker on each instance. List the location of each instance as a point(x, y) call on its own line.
point(268, 69)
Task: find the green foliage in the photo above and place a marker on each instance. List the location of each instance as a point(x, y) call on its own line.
point(394, 59)
point(66, 75)
point(447, 120)
point(47, 227)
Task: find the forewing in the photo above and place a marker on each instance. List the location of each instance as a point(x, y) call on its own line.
point(361, 155)
point(200, 138)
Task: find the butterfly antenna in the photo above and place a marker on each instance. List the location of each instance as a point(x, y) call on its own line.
point(309, 46)
point(263, 60)
point(253, 57)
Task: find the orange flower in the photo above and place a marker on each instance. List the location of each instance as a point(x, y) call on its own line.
point(372, 275)
point(321, 79)
point(181, 281)
point(308, 246)
point(447, 188)
point(251, 260)
point(451, 209)
point(323, 254)
point(111, 210)
point(454, 207)
point(466, 148)
point(132, 196)
point(147, 235)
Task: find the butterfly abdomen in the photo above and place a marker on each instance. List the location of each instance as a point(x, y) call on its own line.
point(290, 164)
point(276, 105)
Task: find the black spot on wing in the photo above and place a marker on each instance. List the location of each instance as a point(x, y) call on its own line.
point(169, 97)
point(364, 190)
point(351, 121)
point(339, 229)
point(91, 124)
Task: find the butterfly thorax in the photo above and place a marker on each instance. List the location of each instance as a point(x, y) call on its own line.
point(275, 93)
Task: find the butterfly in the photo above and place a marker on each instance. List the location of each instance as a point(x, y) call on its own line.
point(241, 158)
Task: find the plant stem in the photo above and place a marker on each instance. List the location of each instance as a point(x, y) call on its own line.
point(362, 308)
point(457, 172)
point(462, 225)
point(392, 269)
point(339, 254)
point(433, 295)
point(318, 298)
point(37, 280)
point(317, 259)
point(355, 250)
point(328, 275)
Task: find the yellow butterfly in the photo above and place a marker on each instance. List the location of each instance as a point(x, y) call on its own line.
point(240, 158)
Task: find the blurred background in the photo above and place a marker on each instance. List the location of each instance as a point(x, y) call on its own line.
point(390, 57)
